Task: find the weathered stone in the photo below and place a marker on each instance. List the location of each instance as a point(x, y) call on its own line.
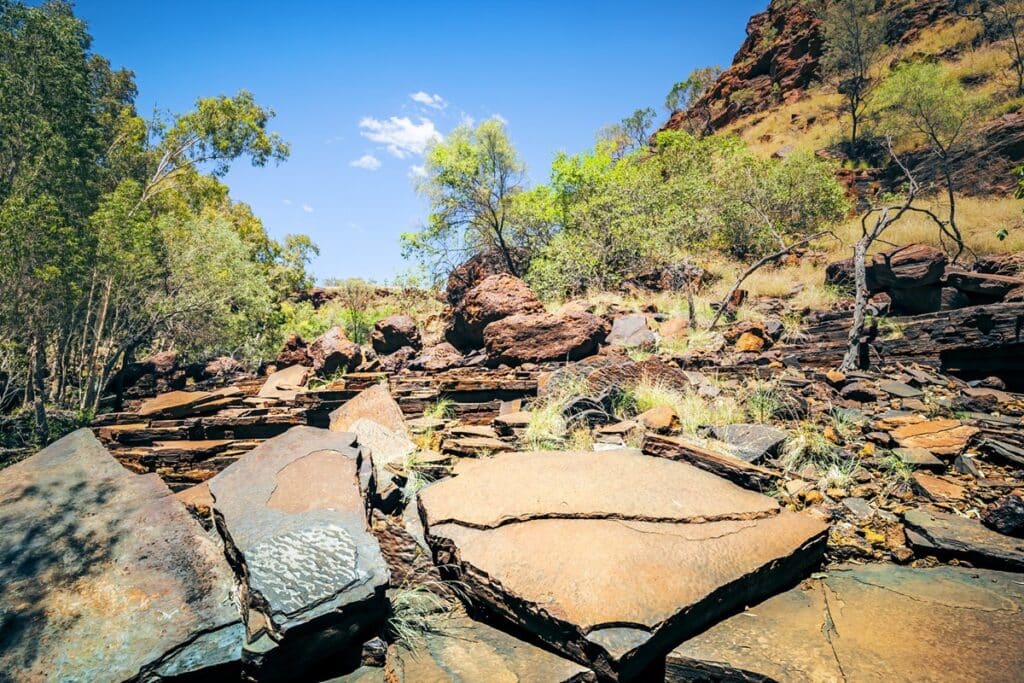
point(106, 576)
point(674, 329)
point(936, 488)
point(873, 623)
point(438, 358)
point(539, 337)
point(333, 352)
point(1006, 516)
point(393, 333)
point(285, 384)
point(374, 403)
point(859, 392)
point(918, 457)
point(748, 341)
point(948, 535)
point(631, 331)
point(994, 286)
point(466, 650)
point(494, 298)
point(941, 437)
point(562, 545)
point(899, 389)
point(730, 467)
point(292, 515)
point(294, 352)
point(394, 363)
point(175, 404)
point(915, 265)
point(751, 442)
point(661, 419)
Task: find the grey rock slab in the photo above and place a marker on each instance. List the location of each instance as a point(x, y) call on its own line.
point(874, 623)
point(751, 442)
point(293, 515)
point(104, 575)
point(631, 331)
point(918, 457)
point(949, 535)
point(611, 558)
point(899, 389)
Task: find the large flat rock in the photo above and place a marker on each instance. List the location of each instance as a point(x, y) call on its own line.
point(612, 557)
point(375, 404)
point(293, 516)
point(872, 623)
point(467, 651)
point(948, 535)
point(104, 575)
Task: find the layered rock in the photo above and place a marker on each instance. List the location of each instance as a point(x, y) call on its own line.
point(106, 576)
point(494, 298)
point(876, 622)
point(293, 517)
point(561, 544)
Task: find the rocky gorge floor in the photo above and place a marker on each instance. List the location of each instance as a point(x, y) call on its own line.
point(542, 497)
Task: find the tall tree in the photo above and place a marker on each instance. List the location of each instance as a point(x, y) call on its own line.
point(1003, 21)
point(472, 181)
point(854, 35)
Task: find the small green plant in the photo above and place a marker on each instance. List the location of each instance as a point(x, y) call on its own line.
point(894, 466)
point(317, 383)
point(843, 423)
point(441, 409)
point(793, 327)
point(764, 402)
point(807, 445)
point(891, 330)
point(638, 354)
point(547, 429)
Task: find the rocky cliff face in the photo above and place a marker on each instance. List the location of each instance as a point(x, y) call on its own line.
point(780, 57)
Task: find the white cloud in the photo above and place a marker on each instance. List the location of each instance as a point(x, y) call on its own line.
point(367, 162)
point(287, 202)
point(466, 120)
point(400, 135)
point(417, 172)
point(307, 208)
point(434, 101)
point(500, 119)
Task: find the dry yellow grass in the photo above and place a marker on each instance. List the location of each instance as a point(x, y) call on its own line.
point(979, 218)
point(943, 37)
point(789, 124)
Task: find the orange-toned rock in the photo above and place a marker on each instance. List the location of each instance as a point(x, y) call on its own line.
point(674, 328)
point(749, 341)
point(562, 545)
point(941, 437)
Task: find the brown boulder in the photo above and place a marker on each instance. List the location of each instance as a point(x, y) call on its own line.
point(393, 333)
point(469, 274)
point(294, 352)
point(332, 351)
point(539, 337)
point(442, 356)
point(496, 297)
point(1011, 265)
point(916, 265)
point(985, 285)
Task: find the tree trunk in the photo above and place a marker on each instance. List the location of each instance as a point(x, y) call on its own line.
point(854, 353)
point(39, 390)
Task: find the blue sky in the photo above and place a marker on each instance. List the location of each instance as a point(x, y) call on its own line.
point(359, 88)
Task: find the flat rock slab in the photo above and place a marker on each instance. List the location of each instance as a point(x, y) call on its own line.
point(374, 403)
point(899, 389)
point(751, 442)
point(941, 437)
point(874, 623)
point(285, 385)
point(949, 535)
point(612, 557)
point(105, 576)
point(291, 511)
point(468, 651)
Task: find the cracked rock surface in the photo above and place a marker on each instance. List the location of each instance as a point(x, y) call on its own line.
point(105, 576)
point(871, 623)
point(294, 522)
point(612, 557)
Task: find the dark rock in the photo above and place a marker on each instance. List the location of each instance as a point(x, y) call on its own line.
point(332, 352)
point(494, 298)
point(472, 272)
point(398, 361)
point(631, 331)
point(292, 514)
point(106, 576)
point(672, 278)
point(294, 352)
point(899, 389)
point(859, 392)
point(951, 299)
point(868, 623)
point(916, 300)
point(375, 652)
point(993, 286)
point(751, 442)
point(948, 535)
point(1006, 516)
point(539, 337)
point(1011, 265)
point(913, 266)
point(393, 333)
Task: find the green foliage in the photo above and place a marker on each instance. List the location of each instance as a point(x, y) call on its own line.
point(441, 409)
point(473, 183)
point(854, 36)
point(117, 235)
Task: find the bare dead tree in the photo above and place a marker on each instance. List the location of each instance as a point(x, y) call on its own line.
point(856, 357)
point(724, 304)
